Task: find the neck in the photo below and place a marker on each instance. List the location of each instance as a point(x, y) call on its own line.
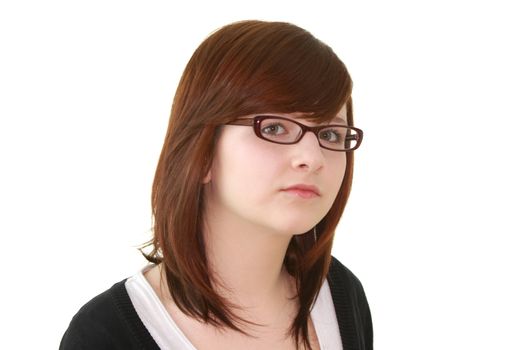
point(247, 261)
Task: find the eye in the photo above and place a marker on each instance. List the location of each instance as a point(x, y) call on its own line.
point(332, 135)
point(274, 129)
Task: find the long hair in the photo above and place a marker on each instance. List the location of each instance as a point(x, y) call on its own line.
point(243, 68)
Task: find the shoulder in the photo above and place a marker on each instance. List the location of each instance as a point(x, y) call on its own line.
point(351, 306)
point(345, 285)
point(340, 275)
point(108, 321)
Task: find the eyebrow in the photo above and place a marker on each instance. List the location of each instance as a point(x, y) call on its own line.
point(337, 119)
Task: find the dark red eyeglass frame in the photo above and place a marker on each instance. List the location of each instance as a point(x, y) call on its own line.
point(256, 123)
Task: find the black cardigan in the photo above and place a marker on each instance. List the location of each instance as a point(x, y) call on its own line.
point(109, 321)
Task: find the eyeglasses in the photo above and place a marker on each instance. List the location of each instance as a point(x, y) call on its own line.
point(286, 131)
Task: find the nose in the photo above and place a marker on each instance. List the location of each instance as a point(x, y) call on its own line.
point(307, 154)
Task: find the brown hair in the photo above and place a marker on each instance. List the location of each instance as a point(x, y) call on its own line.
point(243, 68)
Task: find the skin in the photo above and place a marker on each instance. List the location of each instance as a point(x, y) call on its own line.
point(249, 221)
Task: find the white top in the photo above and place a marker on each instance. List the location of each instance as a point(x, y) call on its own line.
point(168, 335)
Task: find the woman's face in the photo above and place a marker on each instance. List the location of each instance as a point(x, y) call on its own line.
point(287, 189)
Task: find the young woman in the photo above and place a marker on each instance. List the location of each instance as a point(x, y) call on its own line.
point(251, 182)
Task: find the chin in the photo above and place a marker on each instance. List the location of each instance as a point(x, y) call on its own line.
point(293, 222)
point(296, 228)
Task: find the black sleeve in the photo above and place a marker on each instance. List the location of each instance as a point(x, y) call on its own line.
point(351, 306)
point(107, 322)
point(365, 315)
point(86, 334)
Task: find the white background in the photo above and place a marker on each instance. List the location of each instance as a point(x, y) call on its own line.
point(435, 222)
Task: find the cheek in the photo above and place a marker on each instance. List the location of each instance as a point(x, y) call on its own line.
point(336, 175)
point(337, 172)
point(338, 166)
point(241, 170)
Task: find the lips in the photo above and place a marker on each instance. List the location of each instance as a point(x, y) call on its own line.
point(303, 191)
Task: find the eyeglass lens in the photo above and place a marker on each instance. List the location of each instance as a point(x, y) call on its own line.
point(287, 132)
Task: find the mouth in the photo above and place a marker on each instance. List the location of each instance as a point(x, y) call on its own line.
point(303, 191)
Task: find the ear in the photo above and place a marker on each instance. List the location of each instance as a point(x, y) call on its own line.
point(207, 178)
